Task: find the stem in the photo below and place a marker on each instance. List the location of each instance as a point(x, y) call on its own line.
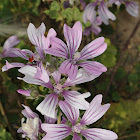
point(6, 120)
point(59, 118)
point(122, 52)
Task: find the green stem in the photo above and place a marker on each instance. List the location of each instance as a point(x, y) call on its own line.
point(59, 118)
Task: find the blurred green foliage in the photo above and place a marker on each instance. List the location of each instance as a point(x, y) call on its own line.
point(4, 135)
point(124, 115)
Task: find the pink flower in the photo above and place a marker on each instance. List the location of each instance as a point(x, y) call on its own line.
point(32, 126)
point(78, 127)
point(36, 35)
point(8, 50)
point(74, 59)
point(49, 104)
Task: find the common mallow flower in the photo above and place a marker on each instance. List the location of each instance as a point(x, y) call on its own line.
point(8, 50)
point(103, 12)
point(74, 59)
point(94, 27)
point(58, 92)
point(131, 7)
point(31, 127)
point(36, 35)
point(78, 127)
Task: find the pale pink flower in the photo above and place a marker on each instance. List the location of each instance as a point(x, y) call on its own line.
point(79, 128)
point(74, 59)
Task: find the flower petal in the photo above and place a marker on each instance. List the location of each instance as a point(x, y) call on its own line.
point(30, 72)
point(28, 113)
point(76, 99)
point(82, 77)
point(11, 65)
point(46, 40)
point(42, 73)
point(99, 134)
point(73, 37)
point(56, 131)
point(24, 92)
point(132, 8)
point(93, 49)
point(48, 105)
point(72, 113)
point(95, 111)
point(11, 42)
point(104, 13)
point(68, 68)
point(93, 67)
point(89, 12)
point(50, 120)
point(56, 76)
point(76, 137)
point(58, 48)
point(35, 34)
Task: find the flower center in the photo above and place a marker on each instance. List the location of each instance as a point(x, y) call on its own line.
point(77, 56)
point(31, 126)
point(77, 128)
point(58, 88)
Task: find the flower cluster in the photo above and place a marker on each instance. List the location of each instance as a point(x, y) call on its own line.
point(60, 104)
point(103, 14)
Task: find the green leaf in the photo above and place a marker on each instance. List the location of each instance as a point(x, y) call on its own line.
point(120, 74)
point(4, 135)
point(68, 14)
point(55, 6)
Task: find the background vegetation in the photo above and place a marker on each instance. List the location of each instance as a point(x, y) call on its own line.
point(120, 85)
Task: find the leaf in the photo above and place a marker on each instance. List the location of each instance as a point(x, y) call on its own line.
point(68, 14)
point(4, 135)
point(55, 6)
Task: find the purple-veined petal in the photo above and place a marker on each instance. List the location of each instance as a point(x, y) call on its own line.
point(93, 49)
point(132, 8)
point(64, 120)
point(17, 53)
point(46, 40)
point(73, 37)
point(50, 120)
point(24, 92)
point(11, 42)
point(99, 134)
point(57, 48)
point(30, 72)
point(98, 21)
point(89, 12)
point(40, 52)
point(51, 33)
point(95, 29)
point(48, 105)
point(28, 113)
point(76, 137)
point(82, 77)
point(56, 131)
point(72, 113)
point(68, 68)
point(11, 65)
point(9, 52)
point(76, 99)
point(104, 13)
point(35, 34)
point(95, 111)
point(56, 76)
point(27, 52)
point(42, 74)
point(93, 67)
